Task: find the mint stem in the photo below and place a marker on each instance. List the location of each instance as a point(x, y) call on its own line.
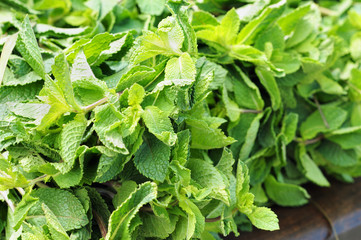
point(309, 141)
point(98, 103)
point(250, 111)
point(41, 185)
point(94, 105)
point(7, 200)
point(326, 11)
point(38, 179)
point(321, 112)
point(21, 190)
point(216, 219)
point(101, 224)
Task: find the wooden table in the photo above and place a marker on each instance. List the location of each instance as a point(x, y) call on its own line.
point(341, 203)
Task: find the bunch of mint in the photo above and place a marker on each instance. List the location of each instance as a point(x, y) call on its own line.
point(139, 119)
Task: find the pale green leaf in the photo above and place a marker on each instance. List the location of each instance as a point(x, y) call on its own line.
point(180, 12)
point(22, 209)
point(267, 17)
point(61, 72)
point(228, 28)
point(210, 178)
point(180, 71)
point(70, 140)
point(225, 164)
point(11, 80)
point(80, 69)
point(264, 218)
point(127, 188)
point(50, 30)
point(29, 49)
point(167, 40)
point(151, 7)
point(159, 227)
point(289, 21)
point(289, 126)
point(232, 109)
point(355, 46)
point(159, 124)
point(105, 117)
point(215, 137)
point(195, 224)
point(355, 85)
point(120, 219)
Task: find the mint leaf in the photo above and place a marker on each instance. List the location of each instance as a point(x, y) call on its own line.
point(215, 137)
point(64, 205)
point(334, 154)
point(225, 33)
point(71, 136)
point(56, 229)
point(312, 171)
point(167, 40)
point(29, 49)
point(154, 226)
point(180, 71)
point(152, 8)
point(285, 194)
point(264, 218)
point(122, 216)
point(105, 116)
point(179, 10)
point(22, 210)
point(159, 124)
point(267, 17)
point(269, 82)
point(209, 177)
point(289, 21)
point(250, 137)
point(246, 93)
point(314, 124)
point(61, 72)
point(152, 158)
point(195, 225)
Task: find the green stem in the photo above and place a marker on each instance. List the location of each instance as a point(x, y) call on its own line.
point(310, 141)
point(216, 219)
point(94, 105)
point(250, 111)
point(21, 191)
point(321, 112)
point(41, 185)
point(38, 179)
point(6, 52)
point(8, 201)
point(97, 103)
point(100, 223)
point(326, 11)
